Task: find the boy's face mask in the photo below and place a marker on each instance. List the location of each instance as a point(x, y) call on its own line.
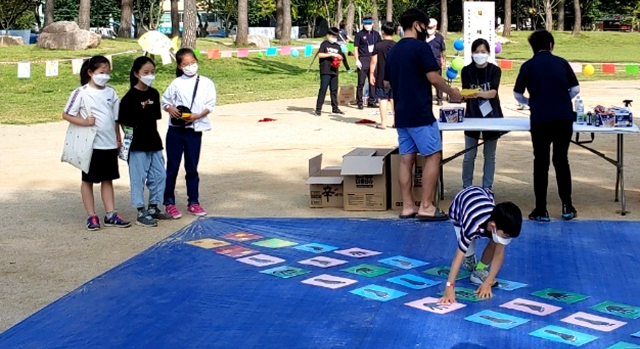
point(499, 239)
point(333, 40)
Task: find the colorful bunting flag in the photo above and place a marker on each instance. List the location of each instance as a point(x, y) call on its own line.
point(51, 68)
point(213, 54)
point(609, 68)
point(577, 67)
point(285, 50)
point(272, 51)
point(308, 51)
point(243, 53)
point(631, 69)
point(226, 54)
point(24, 70)
point(506, 65)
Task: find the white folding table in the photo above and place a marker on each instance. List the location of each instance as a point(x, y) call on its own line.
point(522, 124)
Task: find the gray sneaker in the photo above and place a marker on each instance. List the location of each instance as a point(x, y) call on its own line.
point(479, 276)
point(144, 219)
point(469, 263)
point(157, 213)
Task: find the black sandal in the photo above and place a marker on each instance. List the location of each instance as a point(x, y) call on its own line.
point(438, 216)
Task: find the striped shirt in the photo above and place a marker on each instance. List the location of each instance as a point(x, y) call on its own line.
point(469, 210)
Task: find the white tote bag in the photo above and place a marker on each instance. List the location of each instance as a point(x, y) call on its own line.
point(78, 144)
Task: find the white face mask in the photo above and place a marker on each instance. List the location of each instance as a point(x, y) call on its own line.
point(431, 31)
point(500, 240)
point(191, 70)
point(333, 40)
point(368, 27)
point(100, 79)
point(480, 58)
point(147, 79)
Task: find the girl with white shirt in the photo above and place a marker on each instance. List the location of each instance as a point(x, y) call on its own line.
point(100, 104)
point(189, 100)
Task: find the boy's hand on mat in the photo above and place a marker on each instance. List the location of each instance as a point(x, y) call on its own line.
point(90, 121)
point(449, 296)
point(484, 291)
point(174, 112)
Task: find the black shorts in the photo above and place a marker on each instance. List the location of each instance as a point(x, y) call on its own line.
point(384, 93)
point(104, 166)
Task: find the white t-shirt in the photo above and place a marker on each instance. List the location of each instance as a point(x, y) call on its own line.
point(180, 92)
point(102, 104)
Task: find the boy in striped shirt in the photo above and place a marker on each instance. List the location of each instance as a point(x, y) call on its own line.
point(475, 215)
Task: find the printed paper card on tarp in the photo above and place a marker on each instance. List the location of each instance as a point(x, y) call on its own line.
point(563, 335)
point(496, 319)
point(618, 309)
point(403, 262)
point(285, 271)
point(275, 243)
point(594, 322)
point(530, 307)
point(24, 70)
point(378, 293)
point(260, 260)
point(51, 68)
point(323, 262)
point(431, 305)
point(509, 285)
point(357, 252)
point(242, 236)
point(316, 248)
point(234, 251)
point(444, 272)
point(208, 243)
point(213, 54)
point(413, 281)
point(329, 281)
point(466, 294)
point(76, 66)
point(560, 295)
point(367, 270)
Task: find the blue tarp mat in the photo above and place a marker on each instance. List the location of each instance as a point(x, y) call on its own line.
point(175, 295)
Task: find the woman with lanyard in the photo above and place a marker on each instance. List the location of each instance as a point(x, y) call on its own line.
point(485, 77)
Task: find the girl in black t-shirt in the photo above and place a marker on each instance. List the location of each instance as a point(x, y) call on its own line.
point(139, 111)
point(484, 76)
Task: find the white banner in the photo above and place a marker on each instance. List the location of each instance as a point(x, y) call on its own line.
point(479, 22)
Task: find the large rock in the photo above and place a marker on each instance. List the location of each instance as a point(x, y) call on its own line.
point(261, 41)
point(6, 40)
point(67, 36)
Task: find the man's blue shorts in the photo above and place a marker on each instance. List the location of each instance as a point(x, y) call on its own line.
point(423, 140)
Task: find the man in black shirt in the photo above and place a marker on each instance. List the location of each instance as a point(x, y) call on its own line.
point(552, 84)
point(330, 56)
point(376, 76)
point(364, 43)
point(438, 46)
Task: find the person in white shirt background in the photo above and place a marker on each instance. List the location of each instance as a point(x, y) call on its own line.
point(100, 104)
point(189, 99)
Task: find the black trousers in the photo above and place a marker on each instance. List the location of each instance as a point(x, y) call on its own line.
point(327, 80)
point(363, 75)
point(543, 135)
point(439, 94)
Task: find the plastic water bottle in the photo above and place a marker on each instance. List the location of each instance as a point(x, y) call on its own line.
point(579, 107)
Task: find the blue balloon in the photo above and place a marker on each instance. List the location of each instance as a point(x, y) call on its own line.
point(295, 53)
point(451, 74)
point(458, 45)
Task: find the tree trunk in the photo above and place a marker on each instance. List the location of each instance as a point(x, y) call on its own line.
point(389, 17)
point(175, 18)
point(285, 39)
point(338, 12)
point(374, 14)
point(48, 12)
point(125, 19)
point(242, 37)
point(84, 15)
point(548, 14)
point(507, 18)
point(351, 14)
point(189, 24)
point(444, 18)
point(561, 15)
point(577, 24)
point(279, 18)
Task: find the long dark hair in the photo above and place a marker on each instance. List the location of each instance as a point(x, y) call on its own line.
point(137, 65)
point(92, 64)
point(180, 55)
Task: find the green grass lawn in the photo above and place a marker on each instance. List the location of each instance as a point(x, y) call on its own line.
point(41, 99)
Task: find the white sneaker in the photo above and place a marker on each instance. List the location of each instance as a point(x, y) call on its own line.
point(469, 263)
point(479, 276)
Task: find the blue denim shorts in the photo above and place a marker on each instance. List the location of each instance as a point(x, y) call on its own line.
point(423, 140)
point(384, 93)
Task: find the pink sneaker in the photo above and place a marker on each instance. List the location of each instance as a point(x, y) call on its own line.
point(197, 210)
point(173, 211)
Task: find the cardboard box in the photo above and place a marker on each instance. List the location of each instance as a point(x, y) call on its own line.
point(452, 114)
point(366, 179)
point(346, 94)
point(396, 194)
point(325, 184)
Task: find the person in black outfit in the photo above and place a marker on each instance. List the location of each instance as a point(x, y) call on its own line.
point(438, 46)
point(329, 52)
point(365, 42)
point(378, 61)
point(552, 84)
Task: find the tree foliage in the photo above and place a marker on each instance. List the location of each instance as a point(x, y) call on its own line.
point(14, 11)
point(101, 11)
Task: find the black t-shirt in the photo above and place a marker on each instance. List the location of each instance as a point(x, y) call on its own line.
point(140, 110)
point(486, 79)
point(438, 46)
point(363, 40)
point(407, 66)
point(382, 50)
point(325, 63)
point(548, 79)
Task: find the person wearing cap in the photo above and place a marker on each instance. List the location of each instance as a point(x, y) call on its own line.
point(438, 46)
point(365, 42)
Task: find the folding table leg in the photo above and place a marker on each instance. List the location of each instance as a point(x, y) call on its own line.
point(623, 197)
point(617, 169)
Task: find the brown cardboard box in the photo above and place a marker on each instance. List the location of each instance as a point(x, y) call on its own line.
point(396, 194)
point(346, 94)
point(325, 184)
point(366, 179)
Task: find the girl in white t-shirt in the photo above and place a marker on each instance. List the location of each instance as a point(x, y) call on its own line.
point(189, 100)
point(100, 103)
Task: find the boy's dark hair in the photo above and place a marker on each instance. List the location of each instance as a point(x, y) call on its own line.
point(413, 15)
point(92, 64)
point(333, 31)
point(137, 65)
point(389, 28)
point(541, 40)
point(479, 42)
point(342, 24)
point(508, 218)
point(180, 56)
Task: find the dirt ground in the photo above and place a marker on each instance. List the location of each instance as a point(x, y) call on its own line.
point(247, 168)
